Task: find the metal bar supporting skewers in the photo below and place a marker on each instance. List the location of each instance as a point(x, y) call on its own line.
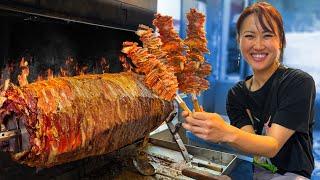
point(173, 130)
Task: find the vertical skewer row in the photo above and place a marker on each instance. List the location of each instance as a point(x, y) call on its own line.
point(197, 46)
point(160, 79)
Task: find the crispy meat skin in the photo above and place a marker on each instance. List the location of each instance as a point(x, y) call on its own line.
point(158, 76)
point(71, 118)
point(172, 44)
point(192, 79)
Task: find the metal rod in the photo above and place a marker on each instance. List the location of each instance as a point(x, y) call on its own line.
point(60, 17)
point(179, 141)
point(6, 135)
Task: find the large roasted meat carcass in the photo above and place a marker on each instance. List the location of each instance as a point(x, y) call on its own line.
point(69, 118)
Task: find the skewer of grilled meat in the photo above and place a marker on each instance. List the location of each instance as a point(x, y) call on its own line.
point(172, 43)
point(152, 42)
point(192, 79)
point(158, 76)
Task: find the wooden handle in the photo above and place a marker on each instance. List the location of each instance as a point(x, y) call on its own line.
point(199, 174)
point(182, 104)
point(196, 104)
point(208, 166)
point(181, 66)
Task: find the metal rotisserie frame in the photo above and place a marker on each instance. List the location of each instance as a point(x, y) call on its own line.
point(119, 14)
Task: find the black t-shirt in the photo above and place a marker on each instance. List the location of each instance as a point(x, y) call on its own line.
point(287, 99)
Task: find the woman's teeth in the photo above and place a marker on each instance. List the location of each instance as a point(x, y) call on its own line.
point(259, 57)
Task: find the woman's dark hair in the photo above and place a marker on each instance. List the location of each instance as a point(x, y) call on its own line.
point(265, 11)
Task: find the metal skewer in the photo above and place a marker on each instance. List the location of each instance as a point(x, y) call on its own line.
point(173, 130)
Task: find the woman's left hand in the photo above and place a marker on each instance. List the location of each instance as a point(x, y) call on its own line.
point(208, 126)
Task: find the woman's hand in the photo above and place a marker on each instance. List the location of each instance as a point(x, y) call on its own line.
point(208, 126)
point(211, 127)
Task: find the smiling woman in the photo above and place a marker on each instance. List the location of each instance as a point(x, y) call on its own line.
point(261, 40)
point(261, 47)
point(271, 112)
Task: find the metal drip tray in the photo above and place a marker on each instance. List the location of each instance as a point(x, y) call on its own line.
point(169, 163)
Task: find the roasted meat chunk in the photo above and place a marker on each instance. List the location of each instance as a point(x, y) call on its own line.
point(70, 118)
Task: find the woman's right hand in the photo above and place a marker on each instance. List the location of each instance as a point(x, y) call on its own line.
point(208, 126)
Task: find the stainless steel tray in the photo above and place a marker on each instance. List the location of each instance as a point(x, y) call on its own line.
point(168, 161)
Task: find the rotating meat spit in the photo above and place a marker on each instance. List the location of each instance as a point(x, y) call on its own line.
point(52, 122)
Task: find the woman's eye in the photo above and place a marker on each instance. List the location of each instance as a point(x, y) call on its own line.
point(248, 36)
point(268, 35)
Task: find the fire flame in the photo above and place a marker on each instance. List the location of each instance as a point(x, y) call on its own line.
point(23, 77)
point(6, 73)
point(81, 70)
point(63, 72)
point(125, 64)
point(104, 65)
point(49, 74)
point(70, 68)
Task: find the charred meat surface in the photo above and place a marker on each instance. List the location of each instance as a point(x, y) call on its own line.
point(70, 118)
